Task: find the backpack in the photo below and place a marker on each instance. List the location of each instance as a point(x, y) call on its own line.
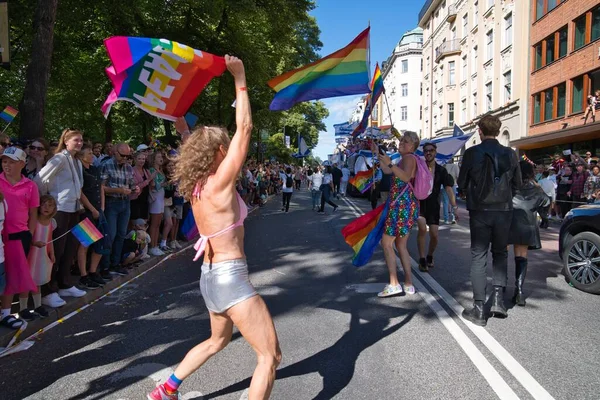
point(422, 185)
point(493, 186)
point(289, 181)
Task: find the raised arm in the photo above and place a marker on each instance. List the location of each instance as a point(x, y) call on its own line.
point(238, 149)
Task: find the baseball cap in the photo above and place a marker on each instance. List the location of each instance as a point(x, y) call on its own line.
point(142, 147)
point(139, 223)
point(15, 153)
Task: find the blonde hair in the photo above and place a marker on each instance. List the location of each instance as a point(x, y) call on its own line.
point(193, 165)
point(67, 134)
point(413, 138)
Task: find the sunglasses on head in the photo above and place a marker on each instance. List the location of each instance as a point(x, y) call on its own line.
point(38, 148)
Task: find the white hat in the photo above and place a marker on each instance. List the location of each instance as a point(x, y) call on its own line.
point(142, 147)
point(15, 153)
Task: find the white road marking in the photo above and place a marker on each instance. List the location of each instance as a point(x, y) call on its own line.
point(281, 273)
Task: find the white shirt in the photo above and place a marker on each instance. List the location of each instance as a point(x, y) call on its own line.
point(345, 174)
point(548, 187)
point(286, 189)
point(3, 210)
point(63, 177)
point(327, 178)
point(317, 180)
point(453, 170)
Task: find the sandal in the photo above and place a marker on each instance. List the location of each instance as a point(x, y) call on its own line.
point(430, 262)
point(11, 322)
point(423, 265)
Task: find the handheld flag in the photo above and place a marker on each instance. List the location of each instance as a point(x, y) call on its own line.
point(376, 91)
point(86, 232)
point(189, 228)
point(159, 76)
point(364, 234)
point(8, 114)
point(363, 180)
point(303, 149)
point(341, 73)
point(191, 120)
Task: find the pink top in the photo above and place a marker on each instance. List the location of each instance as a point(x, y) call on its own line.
point(19, 198)
point(200, 245)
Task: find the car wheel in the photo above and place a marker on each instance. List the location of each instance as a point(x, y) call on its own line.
point(581, 260)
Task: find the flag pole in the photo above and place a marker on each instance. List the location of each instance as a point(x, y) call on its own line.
point(6, 127)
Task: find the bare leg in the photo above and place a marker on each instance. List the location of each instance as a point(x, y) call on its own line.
point(154, 226)
point(421, 236)
point(175, 229)
point(433, 238)
point(387, 242)
point(82, 260)
point(221, 328)
point(94, 261)
point(256, 326)
point(167, 225)
point(520, 250)
point(404, 258)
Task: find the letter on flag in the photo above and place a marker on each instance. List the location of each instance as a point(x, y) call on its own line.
point(342, 73)
point(159, 76)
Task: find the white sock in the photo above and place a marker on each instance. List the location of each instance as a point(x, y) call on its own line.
point(37, 299)
point(5, 312)
point(23, 303)
point(163, 243)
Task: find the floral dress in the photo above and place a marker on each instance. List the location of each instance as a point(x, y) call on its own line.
point(404, 209)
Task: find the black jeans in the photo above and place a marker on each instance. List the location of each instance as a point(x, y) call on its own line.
point(326, 197)
point(65, 251)
point(336, 187)
point(488, 227)
point(286, 200)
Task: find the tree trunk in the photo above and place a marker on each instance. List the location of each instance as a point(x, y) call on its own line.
point(38, 71)
point(168, 134)
point(108, 129)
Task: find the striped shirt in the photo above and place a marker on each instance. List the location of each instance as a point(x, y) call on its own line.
point(115, 176)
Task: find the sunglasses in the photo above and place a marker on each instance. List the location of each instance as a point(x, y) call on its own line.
point(429, 151)
point(38, 148)
point(127, 157)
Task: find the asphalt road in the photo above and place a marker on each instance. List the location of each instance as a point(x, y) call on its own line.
point(338, 339)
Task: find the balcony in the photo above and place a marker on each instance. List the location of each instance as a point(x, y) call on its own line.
point(452, 11)
point(447, 48)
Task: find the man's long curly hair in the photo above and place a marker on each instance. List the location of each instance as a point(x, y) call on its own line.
point(195, 161)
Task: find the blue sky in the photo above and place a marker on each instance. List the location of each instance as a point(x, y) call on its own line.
point(340, 21)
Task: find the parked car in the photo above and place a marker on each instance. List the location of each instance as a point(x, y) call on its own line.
point(579, 247)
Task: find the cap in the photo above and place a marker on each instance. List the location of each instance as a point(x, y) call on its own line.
point(142, 147)
point(139, 223)
point(551, 168)
point(15, 153)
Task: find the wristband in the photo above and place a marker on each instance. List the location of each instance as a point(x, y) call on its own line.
point(242, 88)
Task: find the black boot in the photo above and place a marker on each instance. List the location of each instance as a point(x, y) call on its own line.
point(498, 309)
point(520, 273)
point(476, 314)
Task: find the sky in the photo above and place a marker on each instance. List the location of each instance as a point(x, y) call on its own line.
point(341, 21)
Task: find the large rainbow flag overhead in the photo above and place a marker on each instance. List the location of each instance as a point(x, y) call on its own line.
point(159, 76)
point(363, 180)
point(364, 234)
point(341, 73)
point(376, 91)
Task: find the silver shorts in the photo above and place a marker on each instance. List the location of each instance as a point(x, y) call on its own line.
point(225, 284)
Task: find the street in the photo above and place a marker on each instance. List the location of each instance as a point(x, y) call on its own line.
point(337, 338)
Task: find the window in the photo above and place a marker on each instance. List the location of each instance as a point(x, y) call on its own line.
point(450, 114)
point(403, 113)
point(538, 56)
point(421, 64)
point(474, 104)
point(464, 68)
point(490, 3)
point(549, 50)
point(451, 73)
point(475, 13)
point(508, 30)
point(596, 24)
point(507, 86)
point(488, 96)
point(579, 32)
point(539, 8)
point(537, 108)
point(548, 104)
point(577, 95)
point(474, 58)
point(563, 36)
point(562, 100)
point(421, 89)
point(420, 113)
point(490, 45)
point(404, 88)
point(453, 33)
point(463, 110)
point(465, 25)
point(543, 7)
point(404, 66)
point(554, 46)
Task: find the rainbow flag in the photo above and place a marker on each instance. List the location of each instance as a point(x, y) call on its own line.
point(362, 180)
point(364, 234)
point(189, 229)
point(377, 84)
point(86, 232)
point(159, 76)
point(376, 91)
point(341, 73)
point(8, 114)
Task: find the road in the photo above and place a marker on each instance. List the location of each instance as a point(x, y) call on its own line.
point(338, 339)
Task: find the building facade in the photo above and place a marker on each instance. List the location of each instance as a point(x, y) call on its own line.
point(402, 75)
point(564, 70)
point(473, 55)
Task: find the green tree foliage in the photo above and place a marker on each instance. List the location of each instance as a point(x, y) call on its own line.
point(270, 36)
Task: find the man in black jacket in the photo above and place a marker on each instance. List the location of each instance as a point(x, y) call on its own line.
point(489, 176)
point(336, 174)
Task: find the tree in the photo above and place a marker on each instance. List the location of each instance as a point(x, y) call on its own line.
point(38, 72)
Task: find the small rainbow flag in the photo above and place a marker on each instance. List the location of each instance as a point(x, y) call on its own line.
point(364, 234)
point(362, 180)
point(376, 91)
point(9, 114)
point(159, 76)
point(377, 84)
point(189, 229)
point(341, 73)
point(86, 232)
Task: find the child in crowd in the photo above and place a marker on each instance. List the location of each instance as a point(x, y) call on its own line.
point(22, 199)
point(133, 247)
point(141, 225)
point(41, 255)
point(178, 202)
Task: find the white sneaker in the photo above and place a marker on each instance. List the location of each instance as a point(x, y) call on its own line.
point(174, 244)
point(390, 290)
point(155, 251)
point(145, 257)
point(72, 292)
point(53, 300)
point(409, 289)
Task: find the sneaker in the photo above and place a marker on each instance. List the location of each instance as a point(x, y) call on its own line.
point(28, 314)
point(145, 257)
point(42, 312)
point(160, 393)
point(155, 251)
point(174, 245)
point(96, 277)
point(105, 275)
point(53, 300)
point(390, 290)
point(72, 292)
point(409, 289)
point(88, 282)
point(117, 270)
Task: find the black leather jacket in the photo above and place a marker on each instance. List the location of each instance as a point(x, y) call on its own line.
point(529, 201)
point(470, 172)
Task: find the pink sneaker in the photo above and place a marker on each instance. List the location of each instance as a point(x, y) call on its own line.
point(159, 393)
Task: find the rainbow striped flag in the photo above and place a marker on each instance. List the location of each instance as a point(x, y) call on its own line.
point(341, 73)
point(364, 234)
point(376, 91)
point(377, 84)
point(159, 76)
point(86, 232)
point(8, 114)
point(362, 180)
point(189, 229)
